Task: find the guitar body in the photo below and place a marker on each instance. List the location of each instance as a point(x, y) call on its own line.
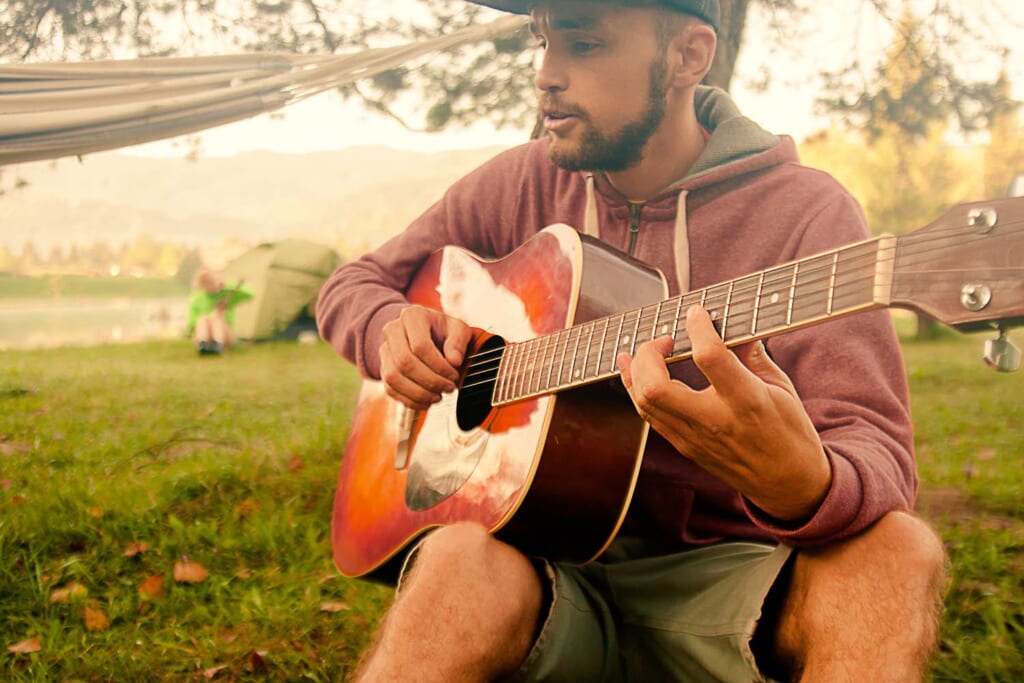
point(552, 475)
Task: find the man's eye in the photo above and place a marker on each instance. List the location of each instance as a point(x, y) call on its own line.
point(582, 46)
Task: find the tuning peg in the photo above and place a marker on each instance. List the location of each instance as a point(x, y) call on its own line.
point(1001, 353)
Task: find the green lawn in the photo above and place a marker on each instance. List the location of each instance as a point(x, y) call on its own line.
point(230, 462)
point(85, 286)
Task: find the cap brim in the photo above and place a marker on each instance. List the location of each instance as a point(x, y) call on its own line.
point(514, 6)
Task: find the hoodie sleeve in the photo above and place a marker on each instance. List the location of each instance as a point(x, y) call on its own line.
point(362, 296)
point(851, 378)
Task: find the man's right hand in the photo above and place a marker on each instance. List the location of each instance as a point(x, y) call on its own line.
point(421, 355)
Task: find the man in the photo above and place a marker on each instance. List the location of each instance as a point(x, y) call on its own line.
point(770, 534)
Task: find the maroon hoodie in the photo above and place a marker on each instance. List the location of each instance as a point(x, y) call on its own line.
point(746, 205)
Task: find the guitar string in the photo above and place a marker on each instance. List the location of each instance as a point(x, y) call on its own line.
point(746, 284)
point(746, 315)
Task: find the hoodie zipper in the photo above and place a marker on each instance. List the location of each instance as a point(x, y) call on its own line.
point(634, 225)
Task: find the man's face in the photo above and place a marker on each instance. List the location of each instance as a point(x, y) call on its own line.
point(603, 82)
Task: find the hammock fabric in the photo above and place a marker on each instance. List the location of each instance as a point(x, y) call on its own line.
point(49, 111)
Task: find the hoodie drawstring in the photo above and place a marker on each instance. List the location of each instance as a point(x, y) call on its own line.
point(681, 237)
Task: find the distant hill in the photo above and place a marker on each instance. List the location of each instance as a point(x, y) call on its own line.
point(349, 198)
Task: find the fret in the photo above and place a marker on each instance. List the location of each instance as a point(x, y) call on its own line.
point(522, 366)
point(757, 304)
point(675, 320)
point(792, 294)
point(656, 327)
point(600, 351)
point(505, 368)
point(618, 336)
point(561, 363)
point(536, 352)
point(855, 276)
point(811, 291)
point(545, 363)
point(774, 306)
point(832, 282)
point(636, 332)
point(570, 370)
point(586, 355)
point(742, 303)
point(715, 302)
point(725, 309)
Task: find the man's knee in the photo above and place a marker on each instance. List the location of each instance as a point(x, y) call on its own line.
point(905, 545)
point(466, 558)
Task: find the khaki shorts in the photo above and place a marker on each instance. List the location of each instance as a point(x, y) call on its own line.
point(683, 617)
point(688, 616)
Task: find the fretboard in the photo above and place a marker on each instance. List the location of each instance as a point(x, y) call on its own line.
point(783, 298)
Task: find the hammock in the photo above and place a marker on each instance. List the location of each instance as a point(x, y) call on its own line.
point(49, 111)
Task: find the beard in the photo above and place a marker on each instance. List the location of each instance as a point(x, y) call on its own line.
point(598, 151)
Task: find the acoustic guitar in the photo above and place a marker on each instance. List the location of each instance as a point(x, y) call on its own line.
point(514, 448)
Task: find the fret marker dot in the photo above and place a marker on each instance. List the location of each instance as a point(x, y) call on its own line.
point(714, 315)
point(625, 340)
point(664, 329)
point(576, 373)
point(775, 298)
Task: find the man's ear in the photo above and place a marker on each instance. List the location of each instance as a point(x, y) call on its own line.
point(691, 53)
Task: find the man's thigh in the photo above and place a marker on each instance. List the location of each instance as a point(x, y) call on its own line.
point(687, 616)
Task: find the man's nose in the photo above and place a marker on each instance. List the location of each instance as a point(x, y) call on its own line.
point(551, 76)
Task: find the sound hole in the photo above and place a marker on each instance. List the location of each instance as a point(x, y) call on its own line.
point(474, 403)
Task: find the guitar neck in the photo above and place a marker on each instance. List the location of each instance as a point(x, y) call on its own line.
point(798, 294)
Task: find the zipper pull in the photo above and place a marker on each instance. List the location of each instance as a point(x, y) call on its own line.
point(634, 224)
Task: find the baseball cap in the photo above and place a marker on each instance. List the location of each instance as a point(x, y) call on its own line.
point(708, 10)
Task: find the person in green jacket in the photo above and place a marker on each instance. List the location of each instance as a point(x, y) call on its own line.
point(211, 312)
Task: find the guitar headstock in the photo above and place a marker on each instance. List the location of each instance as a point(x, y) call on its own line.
point(965, 269)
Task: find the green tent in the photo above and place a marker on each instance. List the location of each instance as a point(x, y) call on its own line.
point(284, 278)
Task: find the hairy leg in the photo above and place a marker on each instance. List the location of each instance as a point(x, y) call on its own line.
point(467, 611)
point(866, 608)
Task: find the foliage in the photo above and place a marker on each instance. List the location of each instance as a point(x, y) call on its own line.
point(921, 81)
point(493, 81)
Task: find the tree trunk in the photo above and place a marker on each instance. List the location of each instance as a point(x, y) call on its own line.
point(730, 37)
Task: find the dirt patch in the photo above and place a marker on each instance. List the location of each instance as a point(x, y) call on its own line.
point(954, 507)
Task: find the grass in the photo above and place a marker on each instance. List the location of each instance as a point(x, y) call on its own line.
point(231, 462)
point(85, 286)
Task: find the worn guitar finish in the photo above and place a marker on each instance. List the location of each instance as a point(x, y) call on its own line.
point(540, 444)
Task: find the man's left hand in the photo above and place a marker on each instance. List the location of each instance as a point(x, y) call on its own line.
point(748, 428)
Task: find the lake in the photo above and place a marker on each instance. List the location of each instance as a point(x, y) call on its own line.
point(49, 323)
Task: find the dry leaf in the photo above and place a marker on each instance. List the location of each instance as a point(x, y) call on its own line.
point(986, 454)
point(244, 574)
point(6, 484)
point(247, 507)
point(152, 587)
point(136, 548)
point(18, 499)
point(72, 591)
point(189, 572)
point(257, 661)
point(95, 511)
point(26, 646)
point(95, 620)
point(295, 463)
point(334, 606)
point(213, 671)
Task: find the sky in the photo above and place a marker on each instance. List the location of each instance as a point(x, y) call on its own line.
point(824, 40)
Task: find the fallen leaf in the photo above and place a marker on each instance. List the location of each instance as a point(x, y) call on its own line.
point(334, 606)
point(6, 484)
point(136, 548)
point(296, 463)
point(986, 454)
point(152, 587)
point(18, 499)
point(247, 507)
point(26, 646)
point(187, 571)
point(72, 591)
point(257, 661)
point(244, 574)
point(213, 671)
point(95, 511)
point(95, 620)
